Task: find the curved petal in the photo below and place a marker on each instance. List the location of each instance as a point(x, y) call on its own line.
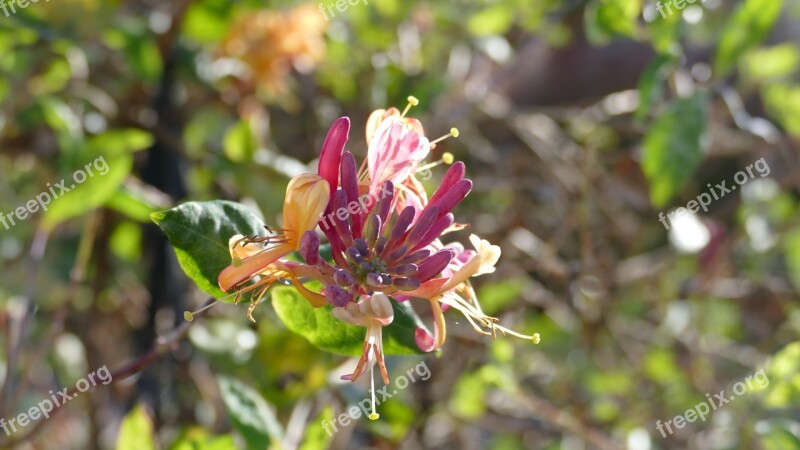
point(331, 155)
point(316, 300)
point(307, 196)
point(423, 339)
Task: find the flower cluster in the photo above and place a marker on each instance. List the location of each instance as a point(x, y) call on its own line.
point(270, 44)
point(384, 234)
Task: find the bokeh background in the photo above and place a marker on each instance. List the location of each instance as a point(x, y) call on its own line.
point(580, 121)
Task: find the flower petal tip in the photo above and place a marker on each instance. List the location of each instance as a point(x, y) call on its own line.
point(424, 340)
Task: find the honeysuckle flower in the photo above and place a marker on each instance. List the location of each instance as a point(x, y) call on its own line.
point(380, 115)
point(374, 312)
point(384, 234)
point(306, 199)
point(394, 153)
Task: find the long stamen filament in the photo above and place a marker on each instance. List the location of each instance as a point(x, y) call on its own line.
point(374, 414)
point(465, 305)
point(189, 315)
point(453, 133)
point(468, 316)
point(412, 101)
point(447, 158)
point(470, 313)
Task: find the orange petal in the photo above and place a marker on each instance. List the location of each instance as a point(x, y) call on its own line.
point(316, 300)
point(307, 196)
point(237, 273)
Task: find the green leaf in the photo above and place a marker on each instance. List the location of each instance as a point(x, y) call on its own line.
point(783, 102)
point(324, 331)
point(316, 437)
point(240, 144)
point(651, 84)
point(107, 161)
point(793, 256)
point(765, 64)
point(249, 413)
point(140, 50)
point(134, 203)
point(54, 78)
point(496, 296)
point(206, 22)
point(468, 399)
point(612, 17)
point(119, 142)
point(748, 26)
point(672, 147)
point(665, 32)
point(126, 241)
point(493, 20)
point(199, 233)
point(64, 122)
point(201, 441)
point(136, 431)
point(778, 434)
point(783, 390)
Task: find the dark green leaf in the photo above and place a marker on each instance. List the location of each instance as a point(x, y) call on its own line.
point(672, 147)
point(199, 233)
point(651, 84)
point(249, 413)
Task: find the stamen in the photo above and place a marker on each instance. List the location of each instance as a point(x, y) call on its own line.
point(374, 415)
point(273, 237)
point(447, 158)
point(472, 313)
point(412, 101)
point(453, 133)
point(189, 315)
point(255, 303)
point(535, 337)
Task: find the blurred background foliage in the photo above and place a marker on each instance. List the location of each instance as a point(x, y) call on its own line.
point(580, 121)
